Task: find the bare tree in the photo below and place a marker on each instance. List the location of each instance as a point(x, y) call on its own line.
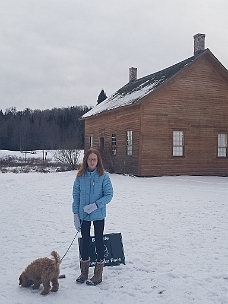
point(68, 158)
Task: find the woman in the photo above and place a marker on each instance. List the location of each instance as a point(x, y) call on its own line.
point(92, 190)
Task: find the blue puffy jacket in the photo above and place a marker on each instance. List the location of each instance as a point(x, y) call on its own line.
point(91, 188)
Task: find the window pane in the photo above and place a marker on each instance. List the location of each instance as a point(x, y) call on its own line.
point(222, 140)
point(129, 142)
point(91, 141)
point(221, 152)
point(113, 139)
point(178, 143)
point(129, 150)
point(177, 151)
point(177, 138)
point(222, 145)
point(129, 137)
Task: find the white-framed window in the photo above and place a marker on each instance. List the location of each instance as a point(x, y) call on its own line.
point(129, 142)
point(222, 145)
point(113, 143)
point(178, 143)
point(91, 141)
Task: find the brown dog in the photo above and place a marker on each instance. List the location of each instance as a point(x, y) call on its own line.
point(43, 270)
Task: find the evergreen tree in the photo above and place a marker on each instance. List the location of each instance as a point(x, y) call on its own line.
point(102, 96)
point(42, 129)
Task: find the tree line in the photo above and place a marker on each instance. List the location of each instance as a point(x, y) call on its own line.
point(58, 128)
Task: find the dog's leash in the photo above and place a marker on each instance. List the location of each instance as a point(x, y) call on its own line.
point(73, 239)
point(70, 246)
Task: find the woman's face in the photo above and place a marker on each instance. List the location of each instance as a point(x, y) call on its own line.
point(92, 161)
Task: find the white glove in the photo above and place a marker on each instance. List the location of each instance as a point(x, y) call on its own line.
point(90, 208)
point(77, 222)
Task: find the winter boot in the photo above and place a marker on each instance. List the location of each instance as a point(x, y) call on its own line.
point(97, 276)
point(84, 266)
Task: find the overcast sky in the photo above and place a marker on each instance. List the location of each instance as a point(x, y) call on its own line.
point(61, 53)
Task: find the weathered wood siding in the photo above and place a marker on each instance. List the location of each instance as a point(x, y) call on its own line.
point(117, 121)
point(195, 102)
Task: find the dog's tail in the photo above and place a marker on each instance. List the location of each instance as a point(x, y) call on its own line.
point(56, 257)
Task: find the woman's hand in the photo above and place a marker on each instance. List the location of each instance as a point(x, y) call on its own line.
point(90, 208)
point(77, 222)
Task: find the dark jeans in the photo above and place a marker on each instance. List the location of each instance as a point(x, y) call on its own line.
point(99, 243)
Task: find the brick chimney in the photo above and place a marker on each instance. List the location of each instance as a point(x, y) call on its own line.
point(199, 43)
point(132, 74)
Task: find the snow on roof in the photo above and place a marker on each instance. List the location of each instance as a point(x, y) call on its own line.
point(134, 91)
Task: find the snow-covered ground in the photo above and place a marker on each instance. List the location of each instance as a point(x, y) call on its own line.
point(174, 229)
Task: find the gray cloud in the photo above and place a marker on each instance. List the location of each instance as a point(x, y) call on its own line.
point(56, 53)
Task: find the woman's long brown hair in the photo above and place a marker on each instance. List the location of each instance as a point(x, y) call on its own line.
point(100, 167)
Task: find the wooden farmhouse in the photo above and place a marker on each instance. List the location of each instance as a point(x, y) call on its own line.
point(172, 122)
